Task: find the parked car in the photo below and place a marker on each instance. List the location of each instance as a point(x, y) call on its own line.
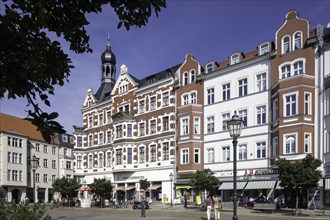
point(137, 205)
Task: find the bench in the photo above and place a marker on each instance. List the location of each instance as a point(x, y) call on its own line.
point(264, 207)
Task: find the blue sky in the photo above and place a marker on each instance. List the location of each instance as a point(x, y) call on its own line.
point(210, 29)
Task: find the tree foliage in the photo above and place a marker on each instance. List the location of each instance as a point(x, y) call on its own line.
point(102, 187)
point(31, 63)
point(66, 186)
point(299, 174)
point(203, 180)
point(23, 212)
point(144, 184)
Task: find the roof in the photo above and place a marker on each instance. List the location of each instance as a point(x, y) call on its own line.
point(104, 91)
point(15, 125)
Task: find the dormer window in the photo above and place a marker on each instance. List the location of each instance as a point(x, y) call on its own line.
point(264, 48)
point(209, 67)
point(65, 138)
point(123, 89)
point(234, 59)
point(285, 45)
point(297, 41)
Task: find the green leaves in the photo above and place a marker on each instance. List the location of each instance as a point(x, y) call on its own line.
point(204, 180)
point(144, 184)
point(102, 187)
point(23, 212)
point(66, 186)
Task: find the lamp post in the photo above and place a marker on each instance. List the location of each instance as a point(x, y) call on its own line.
point(235, 128)
point(171, 178)
point(34, 162)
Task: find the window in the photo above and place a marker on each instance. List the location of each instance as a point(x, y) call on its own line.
point(264, 48)
point(108, 159)
point(54, 164)
point(185, 78)
point(297, 41)
point(275, 146)
point(9, 157)
point(123, 89)
point(109, 118)
point(225, 118)
point(209, 67)
point(129, 130)
point(298, 68)
point(119, 131)
point(261, 150)
point(242, 87)
point(166, 151)
point(153, 153)
point(129, 155)
point(165, 123)
point(15, 157)
point(210, 125)
point(153, 104)
point(20, 160)
point(53, 178)
point(290, 105)
point(225, 154)
point(286, 45)
point(185, 99)
point(9, 175)
point(119, 154)
point(45, 163)
point(226, 91)
point(193, 98)
point(243, 115)
point(65, 138)
point(210, 96)
point(261, 115)
point(210, 155)
point(261, 82)
point(196, 125)
point(65, 152)
point(101, 119)
point(101, 164)
point(53, 150)
point(20, 176)
point(109, 137)
point(90, 140)
point(234, 59)
point(275, 109)
point(142, 129)
point(141, 155)
point(68, 165)
point(153, 126)
point(45, 178)
point(307, 143)
point(242, 152)
point(90, 161)
point(185, 126)
point(185, 156)
point(196, 155)
point(192, 76)
point(290, 144)
point(37, 147)
point(38, 177)
point(141, 106)
point(9, 141)
point(101, 138)
point(308, 104)
point(90, 122)
point(165, 99)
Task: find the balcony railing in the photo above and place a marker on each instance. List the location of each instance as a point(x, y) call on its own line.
point(123, 116)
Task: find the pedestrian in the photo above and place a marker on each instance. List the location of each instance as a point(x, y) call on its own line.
point(185, 200)
point(143, 208)
point(208, 203)
point(217, 205)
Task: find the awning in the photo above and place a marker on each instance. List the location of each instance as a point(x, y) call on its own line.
point(327, 184)
point(230, 185)
point(293, 156)
point(120, 188)
point(128, 188)
point(155, 187)
point(260, 185)
point(84, 188)
point(278, 185)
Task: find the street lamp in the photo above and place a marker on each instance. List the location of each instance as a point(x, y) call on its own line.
point(171, 178)
point(34, 163)
point(235, 128)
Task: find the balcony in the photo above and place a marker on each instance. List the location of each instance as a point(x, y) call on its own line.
point(123, 116)
point(327, 81)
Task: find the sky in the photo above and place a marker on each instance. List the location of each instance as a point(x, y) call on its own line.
point(209, 29)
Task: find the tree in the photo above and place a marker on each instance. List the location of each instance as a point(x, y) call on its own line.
point(103, 188)
point(23, 211)
point(203, 180)
point(31, 63)
point(66, 186)
point(299, 174)
point(144, 184)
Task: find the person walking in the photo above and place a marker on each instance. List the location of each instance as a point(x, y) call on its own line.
point(143, 208)
point(208, 203)
point(217, 205)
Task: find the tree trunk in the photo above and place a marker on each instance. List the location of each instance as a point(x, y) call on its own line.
point(297, 200)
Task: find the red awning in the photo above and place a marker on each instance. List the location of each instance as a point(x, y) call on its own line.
point(84, 188)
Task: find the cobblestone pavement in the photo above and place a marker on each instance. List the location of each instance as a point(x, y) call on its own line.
point(160, 211)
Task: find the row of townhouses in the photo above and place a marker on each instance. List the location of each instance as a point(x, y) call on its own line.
point(174, 122)
point(19, 142)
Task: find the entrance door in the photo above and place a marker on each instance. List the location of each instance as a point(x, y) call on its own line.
point(16, 194)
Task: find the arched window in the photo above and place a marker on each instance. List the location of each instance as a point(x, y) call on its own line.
point(298, 68)
point(242, 152)
point(193, 98)
point(297, 41)
point(290, 144)
point(192, 76)
point(286, 45)
point(185, 78)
